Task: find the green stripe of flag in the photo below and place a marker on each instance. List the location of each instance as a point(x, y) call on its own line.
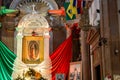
point(7, 58)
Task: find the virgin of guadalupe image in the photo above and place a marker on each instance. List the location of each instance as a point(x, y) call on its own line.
point(33, 51)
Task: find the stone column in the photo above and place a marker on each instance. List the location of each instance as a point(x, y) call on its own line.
point(19, 45)
point(46, 46)
point(110, 32)
point(118, 7)
point(46, 72)
point(85, 57)
point(91, 59)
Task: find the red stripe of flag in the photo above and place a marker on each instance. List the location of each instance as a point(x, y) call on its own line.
point(79, 8)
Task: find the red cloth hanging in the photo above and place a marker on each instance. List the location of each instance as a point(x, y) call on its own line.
point(61, 58)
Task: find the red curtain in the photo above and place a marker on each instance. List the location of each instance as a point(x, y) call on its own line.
point(61, 58)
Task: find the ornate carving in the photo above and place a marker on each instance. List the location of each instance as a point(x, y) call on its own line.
point(84, 21)
point(41, 5)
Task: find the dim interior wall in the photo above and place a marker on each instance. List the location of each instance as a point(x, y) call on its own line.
point(110, 31)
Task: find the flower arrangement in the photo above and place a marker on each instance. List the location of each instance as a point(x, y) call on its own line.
point(31, 74)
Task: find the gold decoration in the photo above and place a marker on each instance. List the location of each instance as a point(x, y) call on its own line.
point(33, 74)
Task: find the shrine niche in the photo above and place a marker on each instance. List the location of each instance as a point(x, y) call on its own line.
point(32, 45)
point(31, 38)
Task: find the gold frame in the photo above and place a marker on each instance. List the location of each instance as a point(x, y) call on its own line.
point(30, 40)
point(78, 67)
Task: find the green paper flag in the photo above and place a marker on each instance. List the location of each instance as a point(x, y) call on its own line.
point(70, 10)
point(3, 11)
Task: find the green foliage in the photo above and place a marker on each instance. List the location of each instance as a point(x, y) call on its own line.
point(31, 75)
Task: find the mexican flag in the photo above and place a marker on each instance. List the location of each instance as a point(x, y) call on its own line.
point(7, 59)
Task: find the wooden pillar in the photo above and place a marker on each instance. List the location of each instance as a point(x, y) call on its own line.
point(110, 32)
point(85, 57)
point(46, 46)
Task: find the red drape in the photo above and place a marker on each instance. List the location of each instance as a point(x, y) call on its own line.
point(61, 58)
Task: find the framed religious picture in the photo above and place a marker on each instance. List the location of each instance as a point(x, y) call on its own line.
point(116, 77)
point(32, 49)
point(60, 76)
point(75, 71)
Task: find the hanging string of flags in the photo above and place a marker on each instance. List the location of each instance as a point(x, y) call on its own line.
point(73, 8)
point(70, 10)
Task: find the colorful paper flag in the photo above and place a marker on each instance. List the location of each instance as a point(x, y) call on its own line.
point(71, 10)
